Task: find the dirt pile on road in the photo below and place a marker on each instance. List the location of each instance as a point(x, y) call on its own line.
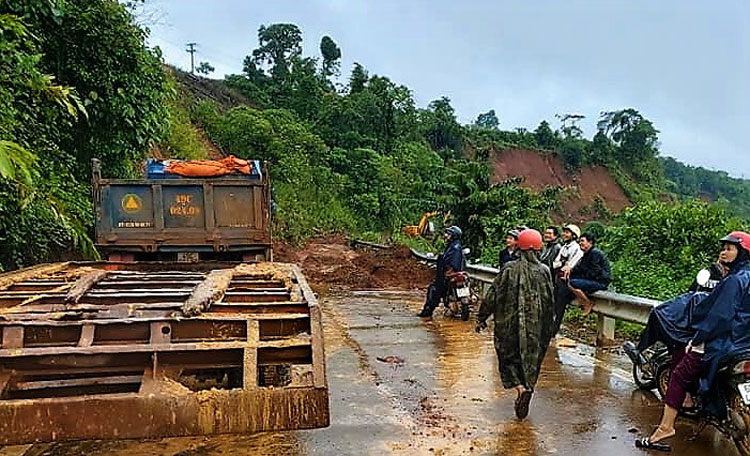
point(330, 263)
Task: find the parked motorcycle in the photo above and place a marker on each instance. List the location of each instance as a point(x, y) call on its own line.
point(458, 299)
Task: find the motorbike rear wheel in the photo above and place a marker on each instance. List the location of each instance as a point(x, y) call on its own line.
point(739, 411)
point(465, 309)
point(662, 379)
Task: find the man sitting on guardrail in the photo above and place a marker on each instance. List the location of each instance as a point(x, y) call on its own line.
point(591, 274)
point(521, 299)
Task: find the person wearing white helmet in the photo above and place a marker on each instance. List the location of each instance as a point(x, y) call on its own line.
point(570, 253)
point(568, 257)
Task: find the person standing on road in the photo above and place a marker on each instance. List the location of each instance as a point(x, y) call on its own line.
point(551, 246)
point(449, 262)
point(510, 252)
point(520, 300)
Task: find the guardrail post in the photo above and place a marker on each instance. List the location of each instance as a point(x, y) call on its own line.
point(605, 331)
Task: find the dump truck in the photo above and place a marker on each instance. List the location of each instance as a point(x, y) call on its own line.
point(152, 343)
point(170, 217)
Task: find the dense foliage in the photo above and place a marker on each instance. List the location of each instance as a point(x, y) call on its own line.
point(657, 248)
point(77, 82)
point(690, 182)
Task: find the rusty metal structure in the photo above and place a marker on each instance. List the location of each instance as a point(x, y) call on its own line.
point(121, 360)
point(218, 218)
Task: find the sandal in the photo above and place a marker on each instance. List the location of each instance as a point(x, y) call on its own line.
point(646, 444)
point(522, 405)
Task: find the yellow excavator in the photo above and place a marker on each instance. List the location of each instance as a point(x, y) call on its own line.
point(425, 227)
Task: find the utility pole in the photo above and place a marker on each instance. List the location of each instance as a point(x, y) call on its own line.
point(191, 50)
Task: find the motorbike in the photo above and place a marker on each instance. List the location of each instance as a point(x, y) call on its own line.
point(645, 372)
point(459, 296)
point(733, 381)
point(458, 299)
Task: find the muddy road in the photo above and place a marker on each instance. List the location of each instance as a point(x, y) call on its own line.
point(403, 386)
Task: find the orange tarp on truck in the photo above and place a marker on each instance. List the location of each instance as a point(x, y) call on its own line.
point(210, 168)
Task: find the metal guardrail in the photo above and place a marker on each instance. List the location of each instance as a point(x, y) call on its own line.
point(608, 305)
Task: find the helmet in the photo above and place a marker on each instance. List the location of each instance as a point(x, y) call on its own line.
point(739, 238)
point(573, 229)
point(513, 233)
point(530, 239)
point(454, 231)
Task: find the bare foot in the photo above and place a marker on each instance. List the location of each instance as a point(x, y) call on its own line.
point(661, 434)
point(583, 300)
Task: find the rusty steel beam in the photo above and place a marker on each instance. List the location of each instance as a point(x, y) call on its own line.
point(128, 345)
point(134, 416)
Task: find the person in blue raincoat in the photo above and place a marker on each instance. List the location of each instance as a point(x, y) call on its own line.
point(669, 322)
point(449, 262)
point(720, 326)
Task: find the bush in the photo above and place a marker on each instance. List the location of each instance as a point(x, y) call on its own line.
point(657, 248)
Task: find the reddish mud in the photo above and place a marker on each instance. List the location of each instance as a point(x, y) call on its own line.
point(330, 263)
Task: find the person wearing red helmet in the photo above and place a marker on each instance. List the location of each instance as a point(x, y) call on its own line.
point(521, 302)
point(721, 326)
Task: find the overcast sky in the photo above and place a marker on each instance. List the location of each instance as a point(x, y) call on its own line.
point(684, 64)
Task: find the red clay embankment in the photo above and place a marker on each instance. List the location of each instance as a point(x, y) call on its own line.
point(545, 169)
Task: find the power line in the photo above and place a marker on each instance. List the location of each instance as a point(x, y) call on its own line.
point(191, 50)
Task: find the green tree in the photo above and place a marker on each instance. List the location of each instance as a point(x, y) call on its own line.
point(94, 46)
point(205, 68)
point(487, 120)
point(635, 136)
point(601, 149)
point(358, 79)
point(278, 45)
point(569, 125)
point(441, 129)
point(545, 137)
point(644, 264)
point(331, 56)
point(37, 207)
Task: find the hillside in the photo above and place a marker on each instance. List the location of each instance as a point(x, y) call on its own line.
point(588, 187)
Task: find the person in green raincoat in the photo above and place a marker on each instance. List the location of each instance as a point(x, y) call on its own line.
point(521, 300)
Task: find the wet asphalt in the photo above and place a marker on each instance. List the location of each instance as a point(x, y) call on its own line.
point(402, 385)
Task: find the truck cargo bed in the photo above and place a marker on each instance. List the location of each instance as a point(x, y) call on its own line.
point(124, 361)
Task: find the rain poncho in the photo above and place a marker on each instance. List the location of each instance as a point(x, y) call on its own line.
point(722, 323)
point(521, 301)
point(675, 315)
point(453, 257)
